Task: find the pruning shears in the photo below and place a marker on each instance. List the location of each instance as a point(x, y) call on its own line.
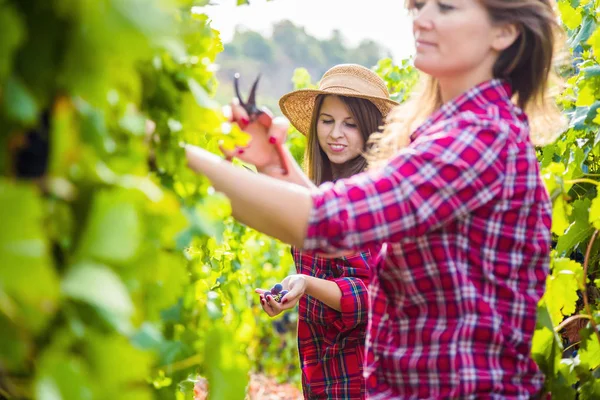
point(260, 115)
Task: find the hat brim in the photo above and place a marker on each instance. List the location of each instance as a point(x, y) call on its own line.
point(297, 106)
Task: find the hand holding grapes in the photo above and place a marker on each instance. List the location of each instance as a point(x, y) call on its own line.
point(283, 296)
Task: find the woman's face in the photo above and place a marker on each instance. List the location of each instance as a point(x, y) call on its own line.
point(337, 132)
point(455, 37)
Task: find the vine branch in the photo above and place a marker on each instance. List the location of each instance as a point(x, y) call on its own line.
point(583, 180)
point(586, 302)
point(572, 318)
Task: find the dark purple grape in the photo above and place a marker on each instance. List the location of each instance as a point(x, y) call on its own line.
point(280, 295)
point(279, 326)
point(267, 293)
point(277, 288)
point(31, 158)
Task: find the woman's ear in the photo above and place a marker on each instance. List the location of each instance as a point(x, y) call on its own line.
point(504, 36)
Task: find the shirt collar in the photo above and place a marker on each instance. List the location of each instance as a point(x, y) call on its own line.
point(496, 91)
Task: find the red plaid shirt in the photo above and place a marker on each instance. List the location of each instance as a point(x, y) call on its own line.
point(467, 219)
point(331, 343)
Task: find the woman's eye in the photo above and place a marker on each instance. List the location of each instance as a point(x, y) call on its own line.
point(327, 122)
point(350, 125)
point(417, 5)
point(445, 7)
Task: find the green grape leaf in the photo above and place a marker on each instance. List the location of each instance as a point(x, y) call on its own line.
point(120, 366)
point(147, 337)
point(114, 229)
point(561, 288)
point(99, 286)
point(27, 276)
point(594, 42)
point(543, 317)
point(579, 230)
point(546, 350)
point(592, 114)
point(548, 153)
point(589, 351)
point(596, 121)
point(587, 28)
point(590, 390)
point(591, 72)
point(20, 104)
point(64, 145)
point(561, 385)
point(12, 32)
point(17, 348)
point(171, 352)
point(560, 221)
point(61, 376)
point(301, 79)
point(202, 98)
point(553, 178)
point(586, 96)
point(595, 212)
point(571, 16)
point(227, 369)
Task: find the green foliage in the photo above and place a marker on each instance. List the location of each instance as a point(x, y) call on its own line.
point(566, 345)
point(122, 274)
point(112, 284)
point(400, 79)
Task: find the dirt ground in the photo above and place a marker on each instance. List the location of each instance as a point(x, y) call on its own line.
point(261, 388)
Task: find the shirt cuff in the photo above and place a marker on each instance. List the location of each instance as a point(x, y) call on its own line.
point(354, 301)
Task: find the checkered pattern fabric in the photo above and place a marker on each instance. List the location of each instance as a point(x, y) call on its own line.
point(331, 343)
point(467, 220)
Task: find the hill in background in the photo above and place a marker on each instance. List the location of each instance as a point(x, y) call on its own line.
point(276, 58)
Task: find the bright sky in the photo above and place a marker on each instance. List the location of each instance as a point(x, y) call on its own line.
point(385, 21)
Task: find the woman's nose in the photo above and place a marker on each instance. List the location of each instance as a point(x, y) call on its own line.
point(337, 131)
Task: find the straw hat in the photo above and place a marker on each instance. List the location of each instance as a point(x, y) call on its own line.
point(349, 80)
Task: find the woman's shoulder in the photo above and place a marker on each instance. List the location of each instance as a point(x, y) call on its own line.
point(499, 124)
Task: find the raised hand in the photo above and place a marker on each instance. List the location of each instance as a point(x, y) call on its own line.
point(265, 150)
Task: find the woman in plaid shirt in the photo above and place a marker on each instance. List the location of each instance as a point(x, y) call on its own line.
point(462, 207)
point(331, 293)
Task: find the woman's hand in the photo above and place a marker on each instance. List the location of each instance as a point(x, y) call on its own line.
point(296, 286)
point(266, 143)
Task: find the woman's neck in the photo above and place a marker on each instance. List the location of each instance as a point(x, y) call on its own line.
point(453, 86)
point(348, 168)
point(337, 170)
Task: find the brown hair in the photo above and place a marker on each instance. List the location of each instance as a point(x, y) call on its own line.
point(368, 119)
point(526, 64)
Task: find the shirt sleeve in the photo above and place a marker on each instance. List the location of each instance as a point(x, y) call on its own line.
point(442, 176)
point(354, 303)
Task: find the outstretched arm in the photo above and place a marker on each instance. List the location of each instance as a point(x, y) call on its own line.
point(277, 208)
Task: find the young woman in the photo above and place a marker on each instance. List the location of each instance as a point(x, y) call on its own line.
point(463, 208)
point(331, 293)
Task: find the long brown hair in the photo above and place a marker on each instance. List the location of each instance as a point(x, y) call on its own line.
point(526, 64)
point(368, 119)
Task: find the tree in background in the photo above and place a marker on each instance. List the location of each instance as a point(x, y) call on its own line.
point(276, 58)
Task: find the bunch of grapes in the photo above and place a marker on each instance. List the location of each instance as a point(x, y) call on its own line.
point(276, 292)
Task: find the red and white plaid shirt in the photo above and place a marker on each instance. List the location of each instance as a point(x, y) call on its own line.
point(331, 343)
point(467, 219)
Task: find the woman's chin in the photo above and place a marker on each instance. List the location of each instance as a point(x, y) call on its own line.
point(338, 158)
point(426, 65)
